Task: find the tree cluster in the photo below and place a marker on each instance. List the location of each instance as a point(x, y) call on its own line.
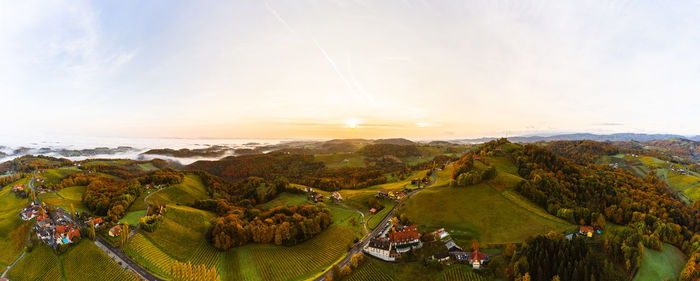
point(544, 257)
point(381, 149)
point(279, 225)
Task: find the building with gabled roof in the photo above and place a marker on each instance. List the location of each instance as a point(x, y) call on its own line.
point(476, 259)
point(380, 248)
point(337, 197)
point(585, 231)
point(405, 238)
point(114, 231)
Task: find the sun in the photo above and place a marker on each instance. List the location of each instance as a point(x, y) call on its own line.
point(352, 123)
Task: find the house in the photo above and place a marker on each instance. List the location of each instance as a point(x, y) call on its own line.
point(308, 189)
point(114, 231)
point(380, 248)
point(405, 238)
point(337, 197)
point(18, 188)
point(476, 259)
point(40, 179)
point(30, 212)
point(397, 195)
point(43, 234)
point(585, 231)
point(318, 197)
point(75, 233)
point(383, 193)
point(373, 211)
point(96, 222)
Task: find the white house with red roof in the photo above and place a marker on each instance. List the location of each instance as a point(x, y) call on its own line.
point(476, 259)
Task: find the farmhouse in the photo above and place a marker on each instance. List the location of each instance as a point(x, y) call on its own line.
point(380, 248)
point(96, 222)
point(30, 212)
point(308, 189)
point(405, 238)
point(585, 231)
point(373, 211)
point(476, 259)
point(383, 193)
point(40, 179)
point(337, 197)
point(114, 231)
point(397, 195)
point(18, 188)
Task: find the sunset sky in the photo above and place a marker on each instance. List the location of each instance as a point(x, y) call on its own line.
point(346, 69)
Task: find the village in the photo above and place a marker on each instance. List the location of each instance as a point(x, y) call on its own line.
point(57, 227)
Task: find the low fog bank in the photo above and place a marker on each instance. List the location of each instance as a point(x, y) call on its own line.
point(82, 148)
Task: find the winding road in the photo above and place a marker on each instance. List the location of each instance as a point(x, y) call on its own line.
point(381, 226)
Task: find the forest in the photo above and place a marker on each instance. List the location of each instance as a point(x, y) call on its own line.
point(297, 168)
point(585, 194)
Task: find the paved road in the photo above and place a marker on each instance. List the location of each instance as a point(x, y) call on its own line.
point(112, 252)
point(380, 227)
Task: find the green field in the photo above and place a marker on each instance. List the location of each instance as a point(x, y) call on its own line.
point(133, 217)
point(39, 264)
point(86, 261)
point(55, 175)
point(664, 265)
point(147, 167)
point(480, 212)
point(187, 192)
point(139, 203)
point(10, 206)
point(374, 220)
point(57, 198)
point(286, 199)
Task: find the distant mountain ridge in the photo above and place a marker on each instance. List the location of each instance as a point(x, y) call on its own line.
point(585, 136)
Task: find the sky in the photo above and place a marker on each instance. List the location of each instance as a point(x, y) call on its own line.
point(348, 69)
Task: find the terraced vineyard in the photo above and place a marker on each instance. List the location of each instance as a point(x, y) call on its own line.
point(9, 221)
point(369, 272)
point(87, 262)
point(39, 264)
point(293, 263)
point(460, 274)
point(205, 254)
point(148, 255)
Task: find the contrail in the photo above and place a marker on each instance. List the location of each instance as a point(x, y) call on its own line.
point(279, 18)
point(354, 86)
point(358, 86)
point(334, 66)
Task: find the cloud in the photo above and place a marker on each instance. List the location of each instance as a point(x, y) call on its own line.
point(609, 124)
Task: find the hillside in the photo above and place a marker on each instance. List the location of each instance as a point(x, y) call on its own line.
point(489, 211)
